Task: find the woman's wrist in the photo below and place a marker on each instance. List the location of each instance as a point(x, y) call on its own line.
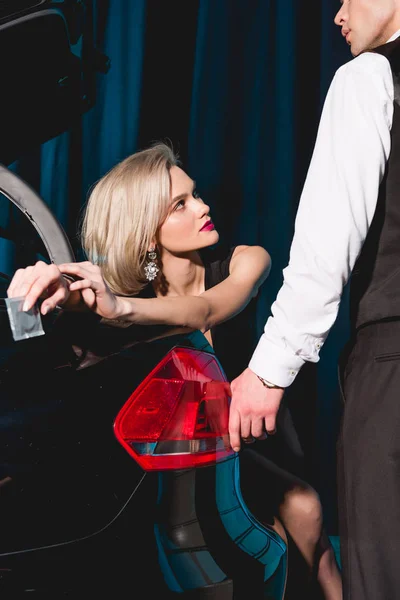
point(124, 309)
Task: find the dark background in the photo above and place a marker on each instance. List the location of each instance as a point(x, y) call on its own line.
point(237, 87)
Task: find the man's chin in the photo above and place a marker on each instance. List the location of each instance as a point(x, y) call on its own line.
point(356, 51)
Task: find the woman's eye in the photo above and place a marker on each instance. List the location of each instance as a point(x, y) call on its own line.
point(179, 205)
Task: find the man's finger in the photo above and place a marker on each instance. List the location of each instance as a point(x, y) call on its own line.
point(234, 430)
point(249, 440)
point(257, 428)
point(270, 425)
point(245, 428)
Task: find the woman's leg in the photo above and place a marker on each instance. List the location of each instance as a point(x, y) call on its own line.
point(288, 504)
point(301, 514)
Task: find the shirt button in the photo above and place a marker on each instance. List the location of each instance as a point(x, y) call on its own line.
point(318, 346)
point(292, 373)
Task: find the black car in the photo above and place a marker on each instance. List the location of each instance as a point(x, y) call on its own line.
point(116, 474)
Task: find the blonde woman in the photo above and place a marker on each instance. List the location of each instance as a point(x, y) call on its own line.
point(154, 259)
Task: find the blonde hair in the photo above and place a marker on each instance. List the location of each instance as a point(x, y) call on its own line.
point(123, 214)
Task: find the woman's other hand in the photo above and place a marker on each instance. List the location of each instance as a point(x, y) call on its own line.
point(94, 291)
point(41, 280)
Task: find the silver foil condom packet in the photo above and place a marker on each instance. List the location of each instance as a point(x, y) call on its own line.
point(24, 324)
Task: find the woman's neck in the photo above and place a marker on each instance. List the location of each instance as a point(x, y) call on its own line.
point(181, 275)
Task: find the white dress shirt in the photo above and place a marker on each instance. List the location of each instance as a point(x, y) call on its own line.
point(335, 211)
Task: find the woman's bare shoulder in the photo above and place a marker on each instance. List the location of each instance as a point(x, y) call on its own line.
point(246, 255)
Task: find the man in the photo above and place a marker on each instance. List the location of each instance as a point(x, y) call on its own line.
point(348, 223)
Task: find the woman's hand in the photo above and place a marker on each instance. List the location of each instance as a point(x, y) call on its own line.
point(47, 281)
point(40, 281)
point(94, 291)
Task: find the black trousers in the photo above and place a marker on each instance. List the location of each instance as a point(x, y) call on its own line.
point(369, 464)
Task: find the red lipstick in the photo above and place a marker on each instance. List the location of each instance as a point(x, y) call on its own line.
point(208, 226)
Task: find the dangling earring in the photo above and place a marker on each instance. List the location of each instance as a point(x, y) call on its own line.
point(151, 268)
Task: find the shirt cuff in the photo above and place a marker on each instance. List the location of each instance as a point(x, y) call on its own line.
point(275, 364)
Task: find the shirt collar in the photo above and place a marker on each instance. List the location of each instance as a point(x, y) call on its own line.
point(394, 36)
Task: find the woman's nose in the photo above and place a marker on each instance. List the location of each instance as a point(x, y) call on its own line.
point(201, 207)
point(204, 209)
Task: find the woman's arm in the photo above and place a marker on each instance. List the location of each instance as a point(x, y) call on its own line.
point(249, 267)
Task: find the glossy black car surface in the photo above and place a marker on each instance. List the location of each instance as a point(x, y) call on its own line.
point(79, 516)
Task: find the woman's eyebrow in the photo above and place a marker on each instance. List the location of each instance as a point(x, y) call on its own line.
point(181, 196)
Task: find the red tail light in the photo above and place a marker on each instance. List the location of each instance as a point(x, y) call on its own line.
point(178, 417)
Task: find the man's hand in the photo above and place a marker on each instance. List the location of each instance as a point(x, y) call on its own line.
point(253, 409)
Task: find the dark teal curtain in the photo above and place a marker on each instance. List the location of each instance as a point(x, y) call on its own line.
point(237, 86)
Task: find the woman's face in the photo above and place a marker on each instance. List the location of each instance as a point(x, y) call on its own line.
point(188, 225)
